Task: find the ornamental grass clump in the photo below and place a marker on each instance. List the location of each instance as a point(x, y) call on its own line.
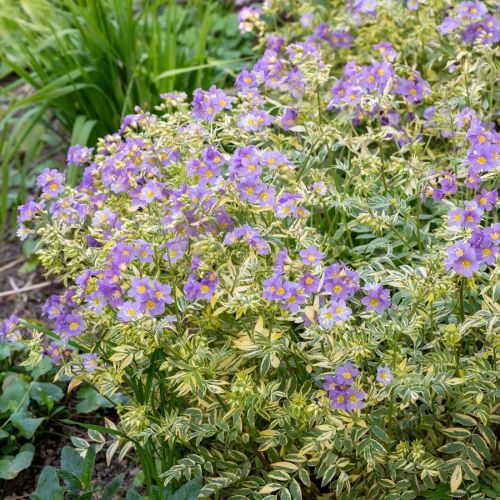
point(294, 284)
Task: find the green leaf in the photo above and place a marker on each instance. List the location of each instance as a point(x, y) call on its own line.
point(112, 487)
point(71, 480)
point(10, 466)
point(488, 435)
point(481, 446)
point(454, 447)
point(44, 366)
point(42, 392)
point(25, 423)
point(133, 495)
point(91, 400)
point(5, 349)
point(295, 490)
point(48, 487)
point(100, 428)
point(71, 461)
point(189, 491)
point(381, 434)
point(466, 420)
point(457, 432)
point(15, 397)
point(285, 494)
point(475, 457)
point(88, 466)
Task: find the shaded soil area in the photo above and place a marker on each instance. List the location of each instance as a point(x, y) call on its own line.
point(30, 296)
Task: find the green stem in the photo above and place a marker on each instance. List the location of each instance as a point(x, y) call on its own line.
point(461, 300)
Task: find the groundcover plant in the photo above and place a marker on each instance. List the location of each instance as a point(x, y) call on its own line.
point(295, 284)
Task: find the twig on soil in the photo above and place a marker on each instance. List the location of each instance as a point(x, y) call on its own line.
point(26, 288)
point(11, 264)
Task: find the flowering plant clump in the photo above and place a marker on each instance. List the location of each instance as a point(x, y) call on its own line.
point(294, 284)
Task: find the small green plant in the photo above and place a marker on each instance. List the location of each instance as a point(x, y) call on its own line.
point(26, 402)
point(76, 473)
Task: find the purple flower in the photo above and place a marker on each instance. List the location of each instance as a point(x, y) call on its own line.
point(346, 374)
point(97, 301)
point(275, 289)
point(473, 180)
point(334, 313)
point(248, 79)
point(307, 19)
point(456, 217)
point(318, 188)
point(472, 214)
point(493, 232)
point(139, 288)
point(309, 283)
point(143, 251)
point(90, 362)
point(378, 298)
point(447, 186)
point(130, 310)
point(175, 250)
point(200, 289)
point(486, 200)
point(151, 191)
point(289, 119)
point(59, 353)
point(51, 182)
point(207, 286)
point(483, 157)
point(70, 325)
point(330, 383)
point(449, 25)
point(207, 104)
point(78, 155)
point(384, 375)
point(255, 121)
point(295, 298)
point(462, 259)
point(354, 399)
point(9, 329)
point(472, 10)
point(311, 256)
point(387, 50)
point(28, 211)
point(341, 311)
point(338, 399)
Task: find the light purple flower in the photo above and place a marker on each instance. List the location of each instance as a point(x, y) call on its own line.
point(130, 310)
point(378, 298)
point(354, 399)
point(90, 362)
point(384, 375)
point(311, 256)
point(345, 374)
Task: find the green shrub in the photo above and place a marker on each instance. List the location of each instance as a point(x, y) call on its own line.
point(279, 281)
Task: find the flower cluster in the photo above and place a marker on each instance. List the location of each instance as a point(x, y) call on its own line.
point(343, 395)
point(482, 244)
point(9, 329)
point(473, 22)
